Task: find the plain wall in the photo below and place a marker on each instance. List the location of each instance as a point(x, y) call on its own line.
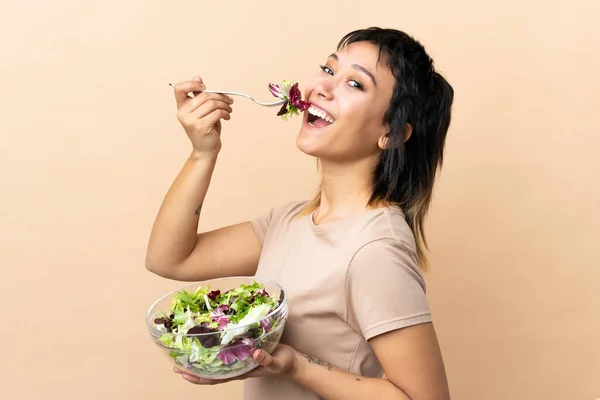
point(90, 144)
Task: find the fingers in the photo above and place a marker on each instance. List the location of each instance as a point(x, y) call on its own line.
point(213, 115)
point(210, 106)
point(188, 104)
point(264, 359)
point(204, 109)
point(198, 381)
point(203, 98)
point(182, 89)
point(216, 115)
point(256, 372)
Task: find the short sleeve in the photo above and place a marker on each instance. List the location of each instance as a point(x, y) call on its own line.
point(385, 289)
point(261, 225)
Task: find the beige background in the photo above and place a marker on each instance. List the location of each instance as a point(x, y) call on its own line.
point(90, 143)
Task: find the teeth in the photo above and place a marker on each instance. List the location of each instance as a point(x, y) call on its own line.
point(321, 114)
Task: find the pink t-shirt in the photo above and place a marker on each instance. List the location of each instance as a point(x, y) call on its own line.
point(347, 281)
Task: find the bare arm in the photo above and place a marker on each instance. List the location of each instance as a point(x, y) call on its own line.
point(410, 357)
point(175, 249)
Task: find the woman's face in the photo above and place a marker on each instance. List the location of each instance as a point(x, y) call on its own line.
point(351, 93)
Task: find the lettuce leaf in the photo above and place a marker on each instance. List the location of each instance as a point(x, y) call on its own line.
point(254, 315)
point(236, 352)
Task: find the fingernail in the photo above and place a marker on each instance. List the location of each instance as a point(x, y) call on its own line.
point(261, 356)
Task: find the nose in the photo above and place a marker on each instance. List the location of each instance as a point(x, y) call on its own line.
point(324, 88)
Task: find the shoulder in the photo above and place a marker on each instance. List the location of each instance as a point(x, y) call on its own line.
point(270, 218)
point(385, 257)
point(285, 213)
point(289, 210)
point(386, 230)
point(387, 246)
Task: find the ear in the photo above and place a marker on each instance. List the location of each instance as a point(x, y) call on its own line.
point(407, 132)
point(384, 140)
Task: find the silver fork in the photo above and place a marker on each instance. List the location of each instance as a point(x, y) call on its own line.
point(272, 104)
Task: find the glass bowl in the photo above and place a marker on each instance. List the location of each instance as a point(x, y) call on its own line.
point(219, 344)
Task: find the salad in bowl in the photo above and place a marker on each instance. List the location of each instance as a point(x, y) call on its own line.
point(210, 329)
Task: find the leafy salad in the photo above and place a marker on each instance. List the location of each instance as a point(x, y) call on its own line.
point(216, 332)
point(289, 91)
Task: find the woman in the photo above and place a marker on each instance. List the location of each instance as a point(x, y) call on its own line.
point(350, 259)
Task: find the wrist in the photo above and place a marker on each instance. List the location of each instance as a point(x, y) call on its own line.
point(297, 370)
point(196, 155)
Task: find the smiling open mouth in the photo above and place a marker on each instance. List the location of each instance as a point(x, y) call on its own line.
point(319, 118)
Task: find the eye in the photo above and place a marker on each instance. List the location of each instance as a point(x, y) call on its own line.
point(352, 82)
point(326, 69)
point(355, 84)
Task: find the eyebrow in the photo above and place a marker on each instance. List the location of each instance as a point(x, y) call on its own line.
point(358, 67)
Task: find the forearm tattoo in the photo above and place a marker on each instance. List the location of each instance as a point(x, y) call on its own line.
point(316, 361)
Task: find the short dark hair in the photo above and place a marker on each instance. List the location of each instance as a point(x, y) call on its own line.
point(421, 98)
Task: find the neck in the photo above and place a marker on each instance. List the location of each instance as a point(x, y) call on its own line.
point(345, 189)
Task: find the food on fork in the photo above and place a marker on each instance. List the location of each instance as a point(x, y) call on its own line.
point(289, 92)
